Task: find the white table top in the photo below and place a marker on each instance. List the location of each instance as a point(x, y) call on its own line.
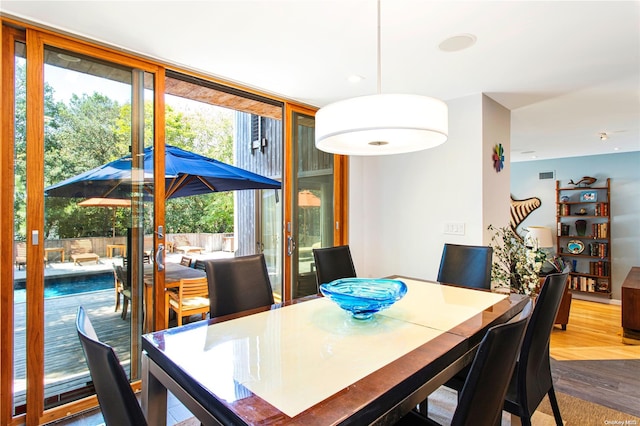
point(277, 354)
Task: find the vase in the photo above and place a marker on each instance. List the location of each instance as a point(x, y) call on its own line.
point(581, 227)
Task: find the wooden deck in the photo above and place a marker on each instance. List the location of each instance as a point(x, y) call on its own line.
point(65, 365)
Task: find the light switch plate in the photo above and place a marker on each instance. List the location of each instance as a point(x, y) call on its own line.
point(454, 228)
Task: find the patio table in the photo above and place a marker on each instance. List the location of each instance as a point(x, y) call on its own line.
point(60, 250)
point(121, 247)
point(308, 362)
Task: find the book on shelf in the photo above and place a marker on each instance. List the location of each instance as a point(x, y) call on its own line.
point(600, 268)
point(600, 230)
point(599, 249)
point(588, 284)
point(601, 209)
point(563, 229)
point(563, 210)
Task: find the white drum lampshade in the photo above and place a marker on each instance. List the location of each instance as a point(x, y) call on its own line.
point(381, 124)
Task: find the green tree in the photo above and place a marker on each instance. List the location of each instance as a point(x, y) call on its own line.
point(52, 112)
point(91, 130)
point(209, 133)
point(88, 134)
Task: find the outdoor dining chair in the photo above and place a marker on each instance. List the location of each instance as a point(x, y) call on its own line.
point(238, 284)
point(116, 398)
point(186, 261)
point(123, 288)
point(191, 298)
point(482, 396)
point(468, 266)
point(118, 287)
point(333, 263)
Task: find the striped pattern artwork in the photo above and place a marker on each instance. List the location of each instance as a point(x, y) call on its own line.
point(520, 209)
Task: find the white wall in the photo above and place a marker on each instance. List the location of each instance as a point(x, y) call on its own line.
point(624, 171)
point(400, 203)
point(496, 202)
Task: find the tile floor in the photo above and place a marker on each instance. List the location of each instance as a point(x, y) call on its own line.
point(176, 414)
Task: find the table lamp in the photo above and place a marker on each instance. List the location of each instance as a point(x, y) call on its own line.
point(539, 237)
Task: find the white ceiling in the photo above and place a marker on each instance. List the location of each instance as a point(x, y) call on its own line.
point(567, 70)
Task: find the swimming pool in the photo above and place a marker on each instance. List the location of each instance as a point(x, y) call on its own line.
point(65, 286)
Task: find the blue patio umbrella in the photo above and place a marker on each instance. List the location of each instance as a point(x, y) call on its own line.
point(186, 173)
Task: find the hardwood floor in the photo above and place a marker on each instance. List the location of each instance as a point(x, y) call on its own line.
point(590, 361)
point(594, 332)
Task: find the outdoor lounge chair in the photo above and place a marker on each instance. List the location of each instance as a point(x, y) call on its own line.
point(21, 255)
point(82, 251)
point(181, 243)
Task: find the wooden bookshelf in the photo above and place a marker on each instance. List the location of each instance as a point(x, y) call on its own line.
point(583, 219)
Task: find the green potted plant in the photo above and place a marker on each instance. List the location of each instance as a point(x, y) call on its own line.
point(515, 266)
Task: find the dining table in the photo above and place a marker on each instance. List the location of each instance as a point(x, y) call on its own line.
point(173, 273)
point(308, 362)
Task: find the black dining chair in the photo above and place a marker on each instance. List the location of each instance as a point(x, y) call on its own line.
point(117, 401)
point(238, 284)
point(333, 263)
point(468, 266)
point(483, 393)
point(199, 264)
point(532, 379)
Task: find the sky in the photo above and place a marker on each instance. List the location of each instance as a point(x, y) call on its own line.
point(66, 82)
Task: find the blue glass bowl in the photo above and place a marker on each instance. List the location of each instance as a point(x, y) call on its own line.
point(363, 297)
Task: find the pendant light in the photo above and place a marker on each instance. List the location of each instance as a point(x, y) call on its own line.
point(381, 124)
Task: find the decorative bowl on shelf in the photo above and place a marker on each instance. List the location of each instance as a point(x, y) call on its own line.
point(363, 297)
point(575, 246)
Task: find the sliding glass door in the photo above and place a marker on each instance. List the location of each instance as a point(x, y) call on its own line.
point(312, 204)
point(74, 220)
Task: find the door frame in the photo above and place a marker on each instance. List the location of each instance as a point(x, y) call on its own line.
point(340, 202)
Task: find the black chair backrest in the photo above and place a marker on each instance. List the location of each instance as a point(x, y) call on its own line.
point(533, 382)
point(238, 284)
point(482, 397)
point(117, 401)
point(333, 263)
point(199, 264)
point(468, 266)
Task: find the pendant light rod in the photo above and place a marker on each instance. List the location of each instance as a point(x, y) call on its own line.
point(381, 124)
point(379, 70)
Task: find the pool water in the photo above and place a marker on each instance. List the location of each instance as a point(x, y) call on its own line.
point(65, 286)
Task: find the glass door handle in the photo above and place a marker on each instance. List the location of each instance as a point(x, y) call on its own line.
point(160, 257)
point(291, 245)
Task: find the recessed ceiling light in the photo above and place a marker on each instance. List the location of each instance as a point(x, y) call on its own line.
point(616, 149)
point(68, 58)
point(604, 136)
point(354, 78)
point(457, 43)
point(534, 156)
